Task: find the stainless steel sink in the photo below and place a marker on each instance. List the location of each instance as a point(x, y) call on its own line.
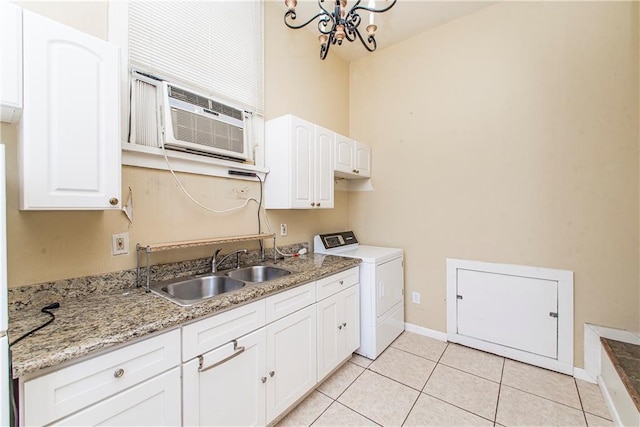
point(194, 290)
point(258, 273)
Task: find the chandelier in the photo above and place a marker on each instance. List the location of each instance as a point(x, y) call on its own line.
point(339, 24)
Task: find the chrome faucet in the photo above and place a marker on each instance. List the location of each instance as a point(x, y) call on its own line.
point(215, 263)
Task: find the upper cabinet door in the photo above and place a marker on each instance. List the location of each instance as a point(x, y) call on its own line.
point(11, 63)
point(324, 167)
point(303, 172)
point(344, 154)
point(70, 129)
point(362, 154)
point(352, 158)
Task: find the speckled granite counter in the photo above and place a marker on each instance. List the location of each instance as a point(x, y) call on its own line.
point(625, 358)
point(89, 321)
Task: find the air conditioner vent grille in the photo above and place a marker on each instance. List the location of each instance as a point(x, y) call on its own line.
point(203, 102)
point(189, 97)
point(194, 128)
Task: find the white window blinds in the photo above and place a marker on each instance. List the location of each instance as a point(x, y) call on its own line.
point(213, 45)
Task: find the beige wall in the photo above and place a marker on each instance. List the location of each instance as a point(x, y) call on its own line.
point(45, 246)
point(509, 136)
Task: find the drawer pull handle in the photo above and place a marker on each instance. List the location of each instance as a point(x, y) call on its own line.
point(263, 379)
point(237, 350)
point(272, 373)
point(118, 373)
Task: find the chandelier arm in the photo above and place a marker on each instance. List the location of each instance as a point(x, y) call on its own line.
point(324, 48)
point(292, 14)
point(370, 40)
point(350, 34)
point(370, 9)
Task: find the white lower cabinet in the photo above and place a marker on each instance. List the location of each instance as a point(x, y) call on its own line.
point(121, 387)
point(252, 380)
point(229, 388)
point(245, 366)
point(153, 403)
point(291, 360)
point(338, 328)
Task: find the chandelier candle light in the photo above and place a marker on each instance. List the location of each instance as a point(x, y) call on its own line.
point(340, 24)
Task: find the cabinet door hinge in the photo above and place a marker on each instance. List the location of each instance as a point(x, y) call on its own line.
point(459, 296)
point(552, 314)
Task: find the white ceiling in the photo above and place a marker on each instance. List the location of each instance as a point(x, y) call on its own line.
point(404, 20)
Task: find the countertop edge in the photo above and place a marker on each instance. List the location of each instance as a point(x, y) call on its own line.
point(39, 353)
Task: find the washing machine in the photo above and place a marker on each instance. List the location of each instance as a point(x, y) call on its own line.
point(381, 288)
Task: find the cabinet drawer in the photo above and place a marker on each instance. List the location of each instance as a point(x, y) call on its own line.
point(155, 402)
point(205, 335)
point(289, 301)
point(59, 393)
point(336, 283)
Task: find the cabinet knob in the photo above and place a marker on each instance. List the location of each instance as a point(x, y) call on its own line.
point(355, 171)
point(118, 373)
point(313, 204)
point(318, 204)
point(272, 373)
point(344, 324)
point(113, 201)
point(341, 282)
point(263, 379)
point(339, 326)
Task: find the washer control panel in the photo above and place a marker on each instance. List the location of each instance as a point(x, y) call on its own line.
point(337, 240)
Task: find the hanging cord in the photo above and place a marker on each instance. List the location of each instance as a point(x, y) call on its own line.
point(45, 309)
point(184, 190)
point(260, 207)
point(266, 221)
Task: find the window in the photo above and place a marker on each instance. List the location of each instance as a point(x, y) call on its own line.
point(214, 47)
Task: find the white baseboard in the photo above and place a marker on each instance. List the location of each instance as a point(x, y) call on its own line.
point(581, 374)
point(420, 330)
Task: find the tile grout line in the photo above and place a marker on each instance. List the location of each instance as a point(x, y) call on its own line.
point(417, 355)
point(545, 398)
point(476, 375)
point(584, 415)
point(456, 406)
point(363, 415)
point(423, 386)
point(495, 416)
point(351, 383)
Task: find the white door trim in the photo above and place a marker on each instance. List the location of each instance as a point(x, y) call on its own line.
point(564, 362)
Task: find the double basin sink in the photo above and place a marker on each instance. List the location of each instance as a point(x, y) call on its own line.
point(194, 290)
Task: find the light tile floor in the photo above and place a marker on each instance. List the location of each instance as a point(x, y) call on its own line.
point(419, 381)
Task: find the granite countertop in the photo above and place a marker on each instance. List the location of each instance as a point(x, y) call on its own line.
point(97, 320)
point(625, 358)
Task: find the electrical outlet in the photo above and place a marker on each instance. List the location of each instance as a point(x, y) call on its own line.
point(242, 192)
point(283, 229)
point(120, 244)
point(415, 297)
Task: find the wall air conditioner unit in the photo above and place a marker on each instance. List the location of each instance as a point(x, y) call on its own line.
point(165, 114)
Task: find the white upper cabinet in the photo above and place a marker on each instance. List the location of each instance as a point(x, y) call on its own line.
point(362, 159)
point(299, 155)
point(352, 158)
point(10, 62)
point(69, 148)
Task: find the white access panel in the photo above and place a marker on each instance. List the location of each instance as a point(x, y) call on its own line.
point(389, 285)
point(509, 310)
